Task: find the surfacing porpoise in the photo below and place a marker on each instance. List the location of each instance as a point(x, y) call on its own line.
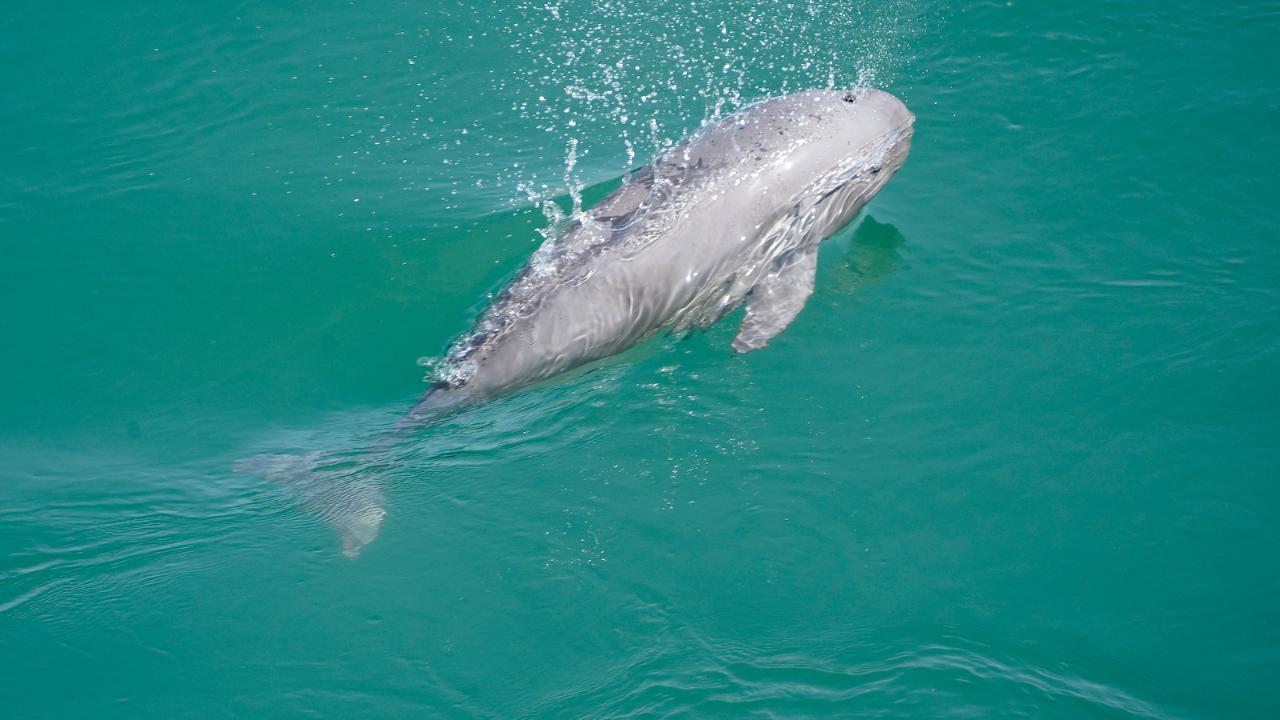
point(732, 214)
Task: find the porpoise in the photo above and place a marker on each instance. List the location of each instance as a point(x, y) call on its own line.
point(733, 214)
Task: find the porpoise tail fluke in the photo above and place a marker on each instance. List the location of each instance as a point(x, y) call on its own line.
point(344, 493)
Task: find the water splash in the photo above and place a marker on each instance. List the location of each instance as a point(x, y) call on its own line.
point(614, 80)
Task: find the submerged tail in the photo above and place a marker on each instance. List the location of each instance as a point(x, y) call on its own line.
point(342, 492)
point(345, 489)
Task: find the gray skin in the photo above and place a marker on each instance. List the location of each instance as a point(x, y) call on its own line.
point(734, 213)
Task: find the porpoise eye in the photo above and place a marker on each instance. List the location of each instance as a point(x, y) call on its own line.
point(849, 98)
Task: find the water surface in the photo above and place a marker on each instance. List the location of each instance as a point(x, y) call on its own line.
point(1017, 457)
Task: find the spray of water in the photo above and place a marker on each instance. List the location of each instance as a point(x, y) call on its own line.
point(619, 80)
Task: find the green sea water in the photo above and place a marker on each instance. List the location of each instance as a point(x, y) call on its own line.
point(1017, 458)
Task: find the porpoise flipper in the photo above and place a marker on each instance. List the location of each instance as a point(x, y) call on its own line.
point(776, 300)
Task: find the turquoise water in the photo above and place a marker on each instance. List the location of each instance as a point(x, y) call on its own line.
point(1017, 457)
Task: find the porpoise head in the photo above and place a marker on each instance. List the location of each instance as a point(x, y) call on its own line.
point(823, 152)
point(861, 140)
point(879, 120)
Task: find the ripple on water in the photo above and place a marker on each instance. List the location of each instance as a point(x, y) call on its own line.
point(696, 678)
point(121, 532)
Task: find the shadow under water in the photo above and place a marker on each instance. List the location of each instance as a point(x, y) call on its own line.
point(872, 256)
